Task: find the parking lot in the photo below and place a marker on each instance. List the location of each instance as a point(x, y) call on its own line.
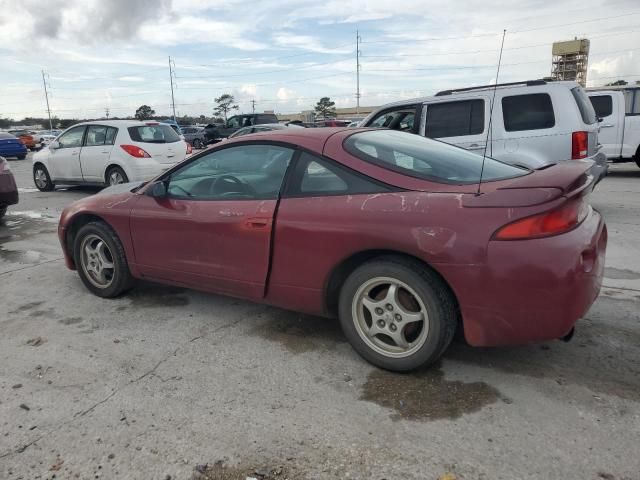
point(162, 381)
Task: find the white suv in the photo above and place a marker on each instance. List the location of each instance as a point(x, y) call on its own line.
point(108, 153)
point(535, 123)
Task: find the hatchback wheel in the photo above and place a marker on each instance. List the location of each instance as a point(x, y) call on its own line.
point(397, 314)
point(197, 143)
point(101, 261)
point(41, 178)
point(115, 176)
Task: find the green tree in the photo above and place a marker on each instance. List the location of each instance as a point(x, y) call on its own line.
point(225, 103)
point(325, 108)
point(617, 83)
point(144, 112)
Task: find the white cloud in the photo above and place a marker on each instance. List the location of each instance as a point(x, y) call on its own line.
point(131, 78)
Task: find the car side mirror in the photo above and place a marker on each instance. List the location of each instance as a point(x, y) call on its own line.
point(158, 190)
point(54, 145)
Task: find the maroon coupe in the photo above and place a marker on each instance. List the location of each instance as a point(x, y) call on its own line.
point(387, 230)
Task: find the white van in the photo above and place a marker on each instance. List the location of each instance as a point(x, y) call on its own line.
point(535, 123)
point(108, 153)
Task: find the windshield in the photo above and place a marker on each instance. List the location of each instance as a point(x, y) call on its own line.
point(153, 134)
point(427, 159)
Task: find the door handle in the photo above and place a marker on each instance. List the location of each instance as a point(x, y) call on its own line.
point(258, 222)
point(476, 145)
point(606, 125)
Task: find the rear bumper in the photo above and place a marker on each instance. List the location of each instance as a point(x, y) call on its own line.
point(13, 150)
point(8, 190)
point(147, 171)
point(531, 290)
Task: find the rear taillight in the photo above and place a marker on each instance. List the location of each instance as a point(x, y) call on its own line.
point(562, 219)
point(135, 151)
point(189, 149)
point(579, 145)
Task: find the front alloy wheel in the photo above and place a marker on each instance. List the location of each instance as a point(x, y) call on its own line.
point(97, 261)
point(41, 178)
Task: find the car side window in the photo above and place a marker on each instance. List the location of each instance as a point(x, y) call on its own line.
point(72, 138)
point(245, 172)
point(111, 136)
point(455, 119)
point(402, 119)
point(315, 176)
point(234, 122)
point(533, 111)
point(603, 105)
point(96, 135)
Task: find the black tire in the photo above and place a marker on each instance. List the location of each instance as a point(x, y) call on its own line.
point(197, 143)
point(121, 279)
point(38, 179)
point(3, 211)
point(435, 295)
point(112, 174)
point(637, 157)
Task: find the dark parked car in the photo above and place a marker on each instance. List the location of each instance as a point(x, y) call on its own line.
point(384, 229)
point(11, 146)
point(216, 132)
point(8, 188)
point(196, 136)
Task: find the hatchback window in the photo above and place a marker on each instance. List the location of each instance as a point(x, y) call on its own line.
point(72, 138)
point(587, 112)
point(533, 111)
point(427, 159)
point(603, 105)
point(246, 172)
point(153, 134)
point(455, 119)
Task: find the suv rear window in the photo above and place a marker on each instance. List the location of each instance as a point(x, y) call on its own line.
point(603, 105)
point(153, 134)
point(533, 111)
point(426, 159)
point(584, 105)
point(455, 119)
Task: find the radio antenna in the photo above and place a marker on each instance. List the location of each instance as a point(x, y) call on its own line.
point(493, 101)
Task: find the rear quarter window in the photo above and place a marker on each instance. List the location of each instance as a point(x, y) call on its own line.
point(455, 119)
point(533, 111)
point(587, 112)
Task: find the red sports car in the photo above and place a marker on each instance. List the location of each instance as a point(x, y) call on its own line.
point(387, 230)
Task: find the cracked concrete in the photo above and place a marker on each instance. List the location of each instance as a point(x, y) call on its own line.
point(159, 381)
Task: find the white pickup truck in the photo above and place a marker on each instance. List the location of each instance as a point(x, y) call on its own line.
point(619, 115)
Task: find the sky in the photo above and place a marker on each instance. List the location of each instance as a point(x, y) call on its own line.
point(286, 54)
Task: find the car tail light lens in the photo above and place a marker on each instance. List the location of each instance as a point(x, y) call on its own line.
point(579, 145)
point(189, 149)
point(135, 151)
point(557, 221)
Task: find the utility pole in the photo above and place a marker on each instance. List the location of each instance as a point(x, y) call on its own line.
point(358, 40)
point(46, 96)
point(253, 106)
point(106, 112)
point(173, 102)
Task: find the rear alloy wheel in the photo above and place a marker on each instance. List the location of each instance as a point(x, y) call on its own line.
point(101, 261)
point(42, 179)
point(397, 314)
point(115, 176)
point(197, 143)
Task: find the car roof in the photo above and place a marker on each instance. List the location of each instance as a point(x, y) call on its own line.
point(454, 93)
point(118, 123)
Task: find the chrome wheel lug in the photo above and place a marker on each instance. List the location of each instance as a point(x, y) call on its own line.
point(381, 323)
point(393, 327)
point(398, 317)
point(389, 307)
point(379, 311)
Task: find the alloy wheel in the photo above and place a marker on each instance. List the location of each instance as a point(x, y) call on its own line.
point(390, 317)
point(97, 261)
point(40, 177)
point(115, 178)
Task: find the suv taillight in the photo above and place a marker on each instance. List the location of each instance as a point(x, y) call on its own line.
point(579, 145)
point(189, 149)
point(562, 219)
point(135, 151)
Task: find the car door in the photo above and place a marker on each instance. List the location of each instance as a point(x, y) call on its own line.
point(213, 228)
point(611, 124)
point(233, 124)
point(64, 161)
point(462, 122)
point(96, 150)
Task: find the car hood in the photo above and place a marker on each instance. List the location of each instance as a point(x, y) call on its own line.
point(120, 188)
